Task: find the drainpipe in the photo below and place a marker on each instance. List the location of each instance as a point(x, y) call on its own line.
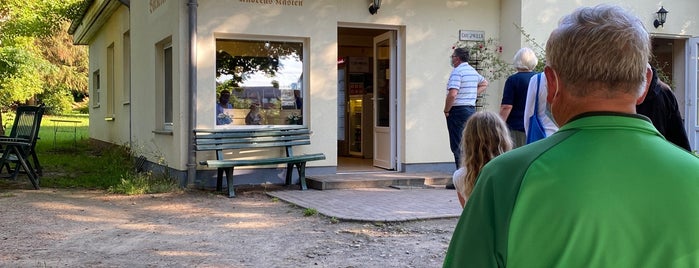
point(191, 160)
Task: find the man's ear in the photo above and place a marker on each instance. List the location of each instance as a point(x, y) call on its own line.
point(649, 75)
point(551, 85)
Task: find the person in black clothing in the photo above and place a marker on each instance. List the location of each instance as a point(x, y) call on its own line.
point(661, 107)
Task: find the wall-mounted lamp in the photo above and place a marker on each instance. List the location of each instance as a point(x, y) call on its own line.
point(662, 15)
point(374, 6)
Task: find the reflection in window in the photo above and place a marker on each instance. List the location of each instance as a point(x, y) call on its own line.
point(259, 82)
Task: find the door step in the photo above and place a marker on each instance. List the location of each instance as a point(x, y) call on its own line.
point(378, 180)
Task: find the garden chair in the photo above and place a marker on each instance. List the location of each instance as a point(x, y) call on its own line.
point(18, 147)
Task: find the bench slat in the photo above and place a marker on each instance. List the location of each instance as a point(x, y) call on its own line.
point(231, 146)
point(261, 162)
point(203, 141)
point(250, 133)
point(231, 139)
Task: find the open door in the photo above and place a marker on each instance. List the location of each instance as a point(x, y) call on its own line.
point(691, 92)
point(385, 100)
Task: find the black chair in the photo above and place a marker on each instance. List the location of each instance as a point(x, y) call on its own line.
point(18, 147)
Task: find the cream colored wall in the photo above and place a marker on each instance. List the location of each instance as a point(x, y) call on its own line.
point(430, 30)
point(541, 17)
point(314, 24)
point(680, 24)
point(112, 33)
point(148, 29)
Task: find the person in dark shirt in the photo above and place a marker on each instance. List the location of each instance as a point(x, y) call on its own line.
point(661, 107)
point(514, 95)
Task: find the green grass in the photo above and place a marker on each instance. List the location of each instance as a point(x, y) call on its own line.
point(70, 161)
point(310, 212)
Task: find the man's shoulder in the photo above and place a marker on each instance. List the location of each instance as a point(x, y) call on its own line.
point(511, 166)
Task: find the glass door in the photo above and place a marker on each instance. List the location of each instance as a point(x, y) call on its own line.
point(385, 100)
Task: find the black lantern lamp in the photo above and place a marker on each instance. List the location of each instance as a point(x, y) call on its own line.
point(662, 15)
point(374, 6)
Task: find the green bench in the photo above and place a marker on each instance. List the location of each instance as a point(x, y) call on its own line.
point(285, 138)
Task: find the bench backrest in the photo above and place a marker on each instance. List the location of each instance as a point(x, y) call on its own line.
point(26, 125)
point(228, 139)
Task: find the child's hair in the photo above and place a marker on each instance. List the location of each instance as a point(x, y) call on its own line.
point(485, 136)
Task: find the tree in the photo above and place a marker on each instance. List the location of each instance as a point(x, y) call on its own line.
point(68, 81)
point(33, 62)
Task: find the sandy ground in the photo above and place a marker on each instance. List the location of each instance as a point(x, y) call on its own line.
point(79, 228)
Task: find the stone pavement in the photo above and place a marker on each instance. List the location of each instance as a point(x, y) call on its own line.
point(377, 204)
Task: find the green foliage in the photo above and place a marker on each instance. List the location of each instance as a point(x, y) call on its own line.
point(37, 58)
point(486, 58)
point(84, 165)
point(310, 212)
point(534, 45)
point(22, 71)
point(58, 101)
point(133, 183)
point(252, 57)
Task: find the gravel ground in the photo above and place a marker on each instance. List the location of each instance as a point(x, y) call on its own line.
point(81, 228)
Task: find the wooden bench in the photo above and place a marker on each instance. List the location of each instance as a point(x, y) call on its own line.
point(220, 140)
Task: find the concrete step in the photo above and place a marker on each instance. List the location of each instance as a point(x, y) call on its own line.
point(377, 180)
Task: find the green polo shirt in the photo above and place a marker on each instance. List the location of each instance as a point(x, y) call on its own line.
point(606, 190)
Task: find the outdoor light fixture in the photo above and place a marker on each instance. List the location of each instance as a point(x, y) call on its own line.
point(662, 15)
point(375, 5)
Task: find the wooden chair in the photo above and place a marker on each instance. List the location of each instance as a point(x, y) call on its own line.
point(18, 147)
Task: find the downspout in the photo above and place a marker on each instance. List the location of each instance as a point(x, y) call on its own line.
point(191, 161)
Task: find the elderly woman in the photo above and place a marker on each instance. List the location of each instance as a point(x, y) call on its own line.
point(514, 96)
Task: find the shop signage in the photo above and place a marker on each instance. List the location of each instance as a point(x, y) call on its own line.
point(276, 2)
point(465, 35)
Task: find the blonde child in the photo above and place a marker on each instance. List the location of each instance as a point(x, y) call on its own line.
point(485, 136)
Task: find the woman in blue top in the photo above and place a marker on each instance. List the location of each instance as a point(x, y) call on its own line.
point(514, 96)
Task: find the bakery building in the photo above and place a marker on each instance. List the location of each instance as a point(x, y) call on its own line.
point(366, 77)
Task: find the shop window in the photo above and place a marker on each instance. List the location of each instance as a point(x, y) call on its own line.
point(259, 82)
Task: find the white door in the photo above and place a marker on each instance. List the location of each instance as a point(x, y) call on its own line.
point(385, 100)
point(692, 77)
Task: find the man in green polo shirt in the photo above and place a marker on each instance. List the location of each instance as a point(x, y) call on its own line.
point(606, 190)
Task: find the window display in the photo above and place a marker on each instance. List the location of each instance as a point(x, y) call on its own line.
point(263, 81)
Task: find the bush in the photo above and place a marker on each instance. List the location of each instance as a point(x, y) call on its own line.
point(143, 183)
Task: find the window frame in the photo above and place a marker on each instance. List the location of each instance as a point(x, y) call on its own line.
point(302, 82)
point(164, 85)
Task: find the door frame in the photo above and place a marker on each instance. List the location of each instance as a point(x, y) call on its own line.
point(380, 144)
point(399, 134)
point(692, 77)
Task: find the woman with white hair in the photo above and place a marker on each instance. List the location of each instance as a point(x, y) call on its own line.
point(514, 95)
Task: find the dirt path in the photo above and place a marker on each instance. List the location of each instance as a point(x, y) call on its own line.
point(65, 228)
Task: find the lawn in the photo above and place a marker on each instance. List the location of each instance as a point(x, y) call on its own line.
point(70, 160)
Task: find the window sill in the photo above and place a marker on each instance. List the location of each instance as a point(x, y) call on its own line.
point(162, 132)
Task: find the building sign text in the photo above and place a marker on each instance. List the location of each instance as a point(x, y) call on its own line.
point(297, 3)
point(465, 35)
